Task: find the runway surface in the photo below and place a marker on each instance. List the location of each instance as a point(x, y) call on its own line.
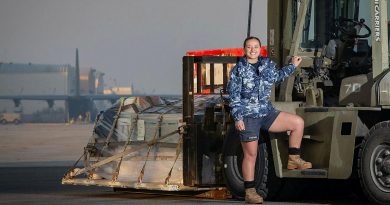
point(34, 158)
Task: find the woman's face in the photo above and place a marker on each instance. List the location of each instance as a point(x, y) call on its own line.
point(252, 49)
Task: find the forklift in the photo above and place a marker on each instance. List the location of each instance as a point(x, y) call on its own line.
point(341, 89)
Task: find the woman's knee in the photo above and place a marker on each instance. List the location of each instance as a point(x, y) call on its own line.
point(251, 156)
point(299, 123)
point(249, 149)
point(249, 159)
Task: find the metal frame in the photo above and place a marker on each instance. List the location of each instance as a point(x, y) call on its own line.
point(191, 170)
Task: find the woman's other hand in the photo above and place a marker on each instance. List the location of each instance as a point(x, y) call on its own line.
point(296, 60)
point(240, 126)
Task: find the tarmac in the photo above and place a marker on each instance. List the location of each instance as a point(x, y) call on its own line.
point(42, 144)
point(33, 158)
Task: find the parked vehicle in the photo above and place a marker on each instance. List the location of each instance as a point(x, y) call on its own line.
point(10, 118)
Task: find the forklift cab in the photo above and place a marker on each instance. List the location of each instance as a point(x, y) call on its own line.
point(337, 39)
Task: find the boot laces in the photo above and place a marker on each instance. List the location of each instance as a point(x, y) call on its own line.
point(300, 160)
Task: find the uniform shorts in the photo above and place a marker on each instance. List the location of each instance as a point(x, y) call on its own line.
point(254, 125)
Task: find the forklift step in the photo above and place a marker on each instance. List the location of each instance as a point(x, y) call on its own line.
point(314, 138)
point(320, 172)
point(307, 173)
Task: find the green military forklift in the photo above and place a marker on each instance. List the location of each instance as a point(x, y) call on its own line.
point(341, 90)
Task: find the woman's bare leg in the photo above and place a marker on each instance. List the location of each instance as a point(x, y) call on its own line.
point(294, 123)
point(249, 161)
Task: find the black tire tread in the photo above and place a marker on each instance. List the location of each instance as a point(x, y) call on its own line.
point(262, 187)
point(365, 141)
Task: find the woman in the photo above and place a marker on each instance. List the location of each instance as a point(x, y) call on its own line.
point(249, 88)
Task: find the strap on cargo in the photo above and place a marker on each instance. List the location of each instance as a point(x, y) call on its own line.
point(116, 117)
point(178, 150)
point(115, 174)
point(68, 174)
point(158, 128)
point(85, 156)
point(87, 151)
point(91, 148)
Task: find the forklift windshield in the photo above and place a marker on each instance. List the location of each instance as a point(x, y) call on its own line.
point(347, 21)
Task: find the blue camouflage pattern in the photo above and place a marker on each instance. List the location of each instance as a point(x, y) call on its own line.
point(249, 91)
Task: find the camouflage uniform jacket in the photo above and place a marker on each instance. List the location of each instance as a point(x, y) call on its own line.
point(249, 91)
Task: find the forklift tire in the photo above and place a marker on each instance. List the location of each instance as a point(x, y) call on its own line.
point(232, 161)
point(374, 164)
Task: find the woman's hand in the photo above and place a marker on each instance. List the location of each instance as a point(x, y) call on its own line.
point(239, 125)
point(296, 60)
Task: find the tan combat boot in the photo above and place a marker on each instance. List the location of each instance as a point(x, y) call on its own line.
point(296, 162)
point(252, 197)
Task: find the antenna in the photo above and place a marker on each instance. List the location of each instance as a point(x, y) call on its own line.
point(249, 18)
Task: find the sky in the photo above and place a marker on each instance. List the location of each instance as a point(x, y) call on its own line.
point(134, 42)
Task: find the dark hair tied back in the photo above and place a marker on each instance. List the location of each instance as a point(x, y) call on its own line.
point(250, 38)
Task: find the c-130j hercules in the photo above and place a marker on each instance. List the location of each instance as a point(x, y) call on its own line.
point(52, 83)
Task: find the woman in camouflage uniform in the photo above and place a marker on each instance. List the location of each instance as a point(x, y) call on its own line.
point(249, 88)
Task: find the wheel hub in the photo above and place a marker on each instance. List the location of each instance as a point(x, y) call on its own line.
point(386, 166)
point(380, 167)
